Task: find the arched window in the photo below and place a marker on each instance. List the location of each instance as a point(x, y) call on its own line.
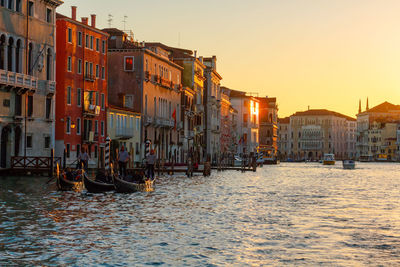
point(30, 59)
point(11, 4)
point(18, 57)
point(3, 45)
point(49, 65)
point(10, 54)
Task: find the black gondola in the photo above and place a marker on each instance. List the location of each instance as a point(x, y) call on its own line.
point(96, 186)
point(63, 184)
point(122, 186)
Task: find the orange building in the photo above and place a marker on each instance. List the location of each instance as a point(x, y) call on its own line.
point(81, 88)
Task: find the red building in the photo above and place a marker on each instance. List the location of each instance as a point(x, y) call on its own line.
point(81, 92)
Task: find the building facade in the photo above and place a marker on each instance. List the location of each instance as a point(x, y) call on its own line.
point(27, 78)
point(82, 94)
point(124, 127)
point(212, 105)
point(143, 78)
point(269, 125)
point(284, 144)
point(247, 121)
point(376, 132)
point(316, 132)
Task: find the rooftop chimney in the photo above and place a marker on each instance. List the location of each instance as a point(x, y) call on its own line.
point(85, 20)
point(195, 53)
point(73, 15)
point(93, 17)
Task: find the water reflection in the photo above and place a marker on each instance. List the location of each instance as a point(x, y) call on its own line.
point(291, 214)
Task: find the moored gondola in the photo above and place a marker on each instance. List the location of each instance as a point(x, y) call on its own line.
point(122, 186)
point(93, 186)
point(63, 184)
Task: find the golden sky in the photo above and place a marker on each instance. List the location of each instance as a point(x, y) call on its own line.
point(317, 53)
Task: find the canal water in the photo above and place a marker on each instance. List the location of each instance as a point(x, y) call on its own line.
point(290, 214)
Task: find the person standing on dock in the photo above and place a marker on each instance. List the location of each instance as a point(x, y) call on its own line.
point(123, 158)
point(150, 161)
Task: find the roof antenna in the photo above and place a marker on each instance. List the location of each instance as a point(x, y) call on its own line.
point(110, 20)
point(124, 21)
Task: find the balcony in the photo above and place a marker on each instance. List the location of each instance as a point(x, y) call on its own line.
point(158, 122)
point(198, 129)
point(199, 108)
point(91, 110)
point(165, 83)
point(89, 77)
point(147, 120)
point(11, 79)
point(48, 86)
point(179, 125)
point(124, 133)
point(190, 134)
point(90, 137)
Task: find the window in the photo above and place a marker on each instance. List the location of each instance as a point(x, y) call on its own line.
point(97, 71)
point(95, 151)
point(18, 6)
point(10, 4)
point(68, 125)
point(47, 142)
point(69, 64)
point(31, 10)
point(111, 120)
point(97, 98)
point(86, 68)
point(102, 128)
point(87, 41)
point(91, 42)
point(69, 35)
point(78, 126)
point(137, 124)
point(91, 69)
point(68, 150)
point(29, 141)
point(2, 2)
point(30, 105)
point(78, 149)
point(79, 66)
point(48, 108)
point(103, 73)
point(128, 101)
point(103, 47)
point(79, 97)
point(49, 15)
point(68, 95)
point(137, 149)
point(97, 44)
point(80, 38)
point(96, 127)
point(103, 101)
point(129, 64)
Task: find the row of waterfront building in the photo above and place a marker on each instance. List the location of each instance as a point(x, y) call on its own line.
point(67, 85)
point(373, 136)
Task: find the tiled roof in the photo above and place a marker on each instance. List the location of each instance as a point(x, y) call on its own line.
point(322, 112)
point(113, 31)
point(384, 107)
point(284, 120)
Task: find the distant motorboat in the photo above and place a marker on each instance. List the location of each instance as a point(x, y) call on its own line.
point(349, 164)
point(329, 159)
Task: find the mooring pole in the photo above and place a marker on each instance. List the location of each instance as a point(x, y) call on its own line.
point(51, 172)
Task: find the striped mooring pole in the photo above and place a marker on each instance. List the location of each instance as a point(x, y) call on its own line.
point(107, 154)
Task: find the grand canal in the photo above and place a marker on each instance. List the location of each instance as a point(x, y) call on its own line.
point(291, 214)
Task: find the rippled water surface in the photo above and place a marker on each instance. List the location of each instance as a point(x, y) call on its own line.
point(290, 214)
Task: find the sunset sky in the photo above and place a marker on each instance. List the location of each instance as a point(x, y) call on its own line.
point(317, 53)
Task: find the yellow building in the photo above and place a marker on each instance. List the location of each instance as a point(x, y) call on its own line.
point(124, 130)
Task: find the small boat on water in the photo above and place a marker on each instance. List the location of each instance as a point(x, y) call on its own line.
point(122, 186)
point(70, 182)
point(96, 186)
point(329, 159)
point(349, 164)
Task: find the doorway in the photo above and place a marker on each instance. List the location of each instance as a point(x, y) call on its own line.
point(3, 147)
